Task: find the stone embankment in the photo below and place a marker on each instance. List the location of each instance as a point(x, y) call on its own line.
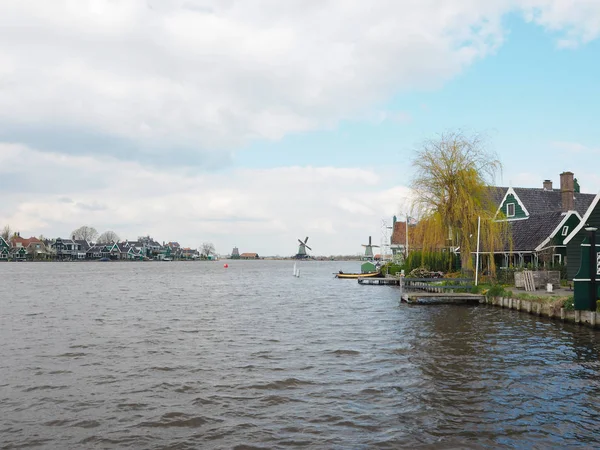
point(550, 310)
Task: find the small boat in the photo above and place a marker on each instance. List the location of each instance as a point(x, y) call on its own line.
point(341, 274)
point(104, 259)
point(167, 259)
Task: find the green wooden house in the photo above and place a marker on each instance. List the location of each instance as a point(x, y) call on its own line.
point(368, 267)
point(19, 254)
point(540, 220)
point(4, 249)
point(574, 240)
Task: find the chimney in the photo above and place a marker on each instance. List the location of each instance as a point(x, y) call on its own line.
point(547, 185)
point(567, 190)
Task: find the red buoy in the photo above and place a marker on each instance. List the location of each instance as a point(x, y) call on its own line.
point(226, 265)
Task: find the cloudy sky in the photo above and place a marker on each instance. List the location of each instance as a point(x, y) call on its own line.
point(256, 122)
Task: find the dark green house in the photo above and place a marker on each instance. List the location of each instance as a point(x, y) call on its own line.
point(540, 221)
point(576, 237)
point(4, 249)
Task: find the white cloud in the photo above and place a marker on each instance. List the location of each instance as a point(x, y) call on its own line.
point(577, 20)
point(263, 210)
point(212, 74)
point(116, 84)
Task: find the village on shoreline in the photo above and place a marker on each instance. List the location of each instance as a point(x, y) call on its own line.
point(17, 248)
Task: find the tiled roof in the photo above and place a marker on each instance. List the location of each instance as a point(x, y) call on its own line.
point(98, 248)
point(528, 234)
point(85, 245)
point(540, 201)
point(248, 255)
point(399, 233)
point(23, 241)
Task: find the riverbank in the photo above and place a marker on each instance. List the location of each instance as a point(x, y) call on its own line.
point(550, 308)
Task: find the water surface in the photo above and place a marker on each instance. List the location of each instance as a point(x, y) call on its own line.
point(192, 355)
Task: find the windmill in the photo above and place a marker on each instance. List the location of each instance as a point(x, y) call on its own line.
point(369, 249)
point(302, 249)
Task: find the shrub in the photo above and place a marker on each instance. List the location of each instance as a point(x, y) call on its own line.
point(476, 289)
point(435, 261)
point(506, 275)
point(419, 272)
point(392, 269)
point(453, 275)
point(496, 290)
point(569, 303)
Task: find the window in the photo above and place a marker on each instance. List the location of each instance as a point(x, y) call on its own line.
point(565, 230)
point(510, 209)
point(556, 258)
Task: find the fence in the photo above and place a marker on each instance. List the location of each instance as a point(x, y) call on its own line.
point(438, 285)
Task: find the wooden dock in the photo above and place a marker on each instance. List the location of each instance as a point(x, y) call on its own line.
point(441, 298)
point(428, 291)
point(379, 281)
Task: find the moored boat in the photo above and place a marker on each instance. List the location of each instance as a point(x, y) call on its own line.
point(341, 274)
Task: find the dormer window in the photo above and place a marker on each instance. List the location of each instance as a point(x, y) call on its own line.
point(565, 230)
point(510, 210)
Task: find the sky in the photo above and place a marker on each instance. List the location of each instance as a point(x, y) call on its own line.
point(253, 123)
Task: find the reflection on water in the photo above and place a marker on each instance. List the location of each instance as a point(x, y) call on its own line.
point(189, 355)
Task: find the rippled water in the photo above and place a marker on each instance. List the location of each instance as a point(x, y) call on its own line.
point(192, 355)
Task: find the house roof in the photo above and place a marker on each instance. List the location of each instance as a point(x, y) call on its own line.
point(584, 220)
point(98, 248)
point(540, 201)
point(248, 255)
point(23, 241)
point(529, 234)
point(85, 245)
point(399, 233)
point(64, 241)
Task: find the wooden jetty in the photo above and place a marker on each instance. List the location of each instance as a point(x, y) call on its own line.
point(428, 291)
point(441, 298)
point(379, 281)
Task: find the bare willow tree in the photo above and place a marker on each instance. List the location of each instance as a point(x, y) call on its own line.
point(207, 249)
point(108, 237)
point(85, 233)
point(451, 189)
point(6, 233)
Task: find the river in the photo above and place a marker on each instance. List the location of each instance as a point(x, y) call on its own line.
point(191, 355)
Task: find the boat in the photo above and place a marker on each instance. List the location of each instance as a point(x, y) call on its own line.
point(367, 269)
point(341, 274)
point(167, 259)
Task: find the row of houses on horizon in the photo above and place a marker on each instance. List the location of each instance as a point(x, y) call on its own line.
point(19, 248)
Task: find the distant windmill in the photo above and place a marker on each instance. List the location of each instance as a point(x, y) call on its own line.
point(302, 249)
point(369, 249)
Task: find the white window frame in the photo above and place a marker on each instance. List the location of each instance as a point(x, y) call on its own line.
point(565, 230)
point(554, 258)
point(508, 214)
